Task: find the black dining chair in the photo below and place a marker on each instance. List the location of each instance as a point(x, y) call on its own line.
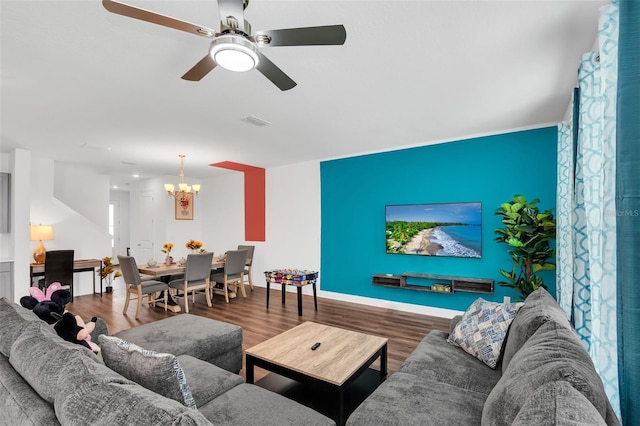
point(58, 267)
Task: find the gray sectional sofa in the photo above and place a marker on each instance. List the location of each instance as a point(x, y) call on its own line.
point(545, 377)
point(45, 380)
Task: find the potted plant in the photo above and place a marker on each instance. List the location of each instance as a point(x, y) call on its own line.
point(528, 232)
point(108, 273)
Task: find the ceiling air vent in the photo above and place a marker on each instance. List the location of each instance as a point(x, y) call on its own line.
point(95, 147)
point(256, 121)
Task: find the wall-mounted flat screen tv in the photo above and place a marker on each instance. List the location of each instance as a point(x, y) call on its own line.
point(443, 229)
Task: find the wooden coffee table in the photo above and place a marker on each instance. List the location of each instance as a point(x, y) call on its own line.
point(341, 358)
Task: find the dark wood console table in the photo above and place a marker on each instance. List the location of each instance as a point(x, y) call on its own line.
point(79, 265)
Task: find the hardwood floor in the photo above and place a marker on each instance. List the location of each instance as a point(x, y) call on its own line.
point(404, 330)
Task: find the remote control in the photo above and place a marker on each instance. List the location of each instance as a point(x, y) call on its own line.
point(315, 346)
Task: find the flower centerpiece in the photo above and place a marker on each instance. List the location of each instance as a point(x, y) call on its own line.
point(108, 273)
point(194, 246)
point(166, 249)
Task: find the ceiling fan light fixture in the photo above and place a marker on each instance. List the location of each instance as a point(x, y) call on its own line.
point(234, 53)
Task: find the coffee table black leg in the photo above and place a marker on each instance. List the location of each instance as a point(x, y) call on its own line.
point(340, 420)
point(383, 363)
point(248, 369)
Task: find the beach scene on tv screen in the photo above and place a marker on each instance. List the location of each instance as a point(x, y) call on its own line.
point(445, 229)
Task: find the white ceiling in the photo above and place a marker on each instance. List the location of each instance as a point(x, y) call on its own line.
point(410, 73)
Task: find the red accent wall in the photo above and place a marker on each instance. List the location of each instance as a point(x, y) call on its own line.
point(254, 198)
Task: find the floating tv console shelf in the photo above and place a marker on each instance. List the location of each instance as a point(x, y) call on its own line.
point(434, 283)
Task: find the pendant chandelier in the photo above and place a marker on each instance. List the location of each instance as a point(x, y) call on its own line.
point(182, 186)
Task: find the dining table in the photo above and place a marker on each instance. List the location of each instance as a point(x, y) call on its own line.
point(163, 272)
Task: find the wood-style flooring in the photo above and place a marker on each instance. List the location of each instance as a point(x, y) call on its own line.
point(404, 330)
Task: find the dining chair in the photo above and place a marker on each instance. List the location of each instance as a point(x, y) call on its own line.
point(247, 265)
point(137, 288)
point(196, 278)
point(58, 267)
point(233, 273)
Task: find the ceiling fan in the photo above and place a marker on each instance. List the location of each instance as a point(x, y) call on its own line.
point(235, 46)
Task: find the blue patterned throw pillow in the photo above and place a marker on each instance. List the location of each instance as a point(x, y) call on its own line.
point(158, 372)
point(482, 329)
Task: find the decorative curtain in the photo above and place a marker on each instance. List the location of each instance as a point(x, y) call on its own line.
point(628, 211)
point(564, 218)
point(586, 243)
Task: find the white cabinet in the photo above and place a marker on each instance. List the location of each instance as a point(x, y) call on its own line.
point(6, 287)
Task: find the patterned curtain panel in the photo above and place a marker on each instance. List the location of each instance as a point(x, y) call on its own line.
point(586, 240)
point(564, 219)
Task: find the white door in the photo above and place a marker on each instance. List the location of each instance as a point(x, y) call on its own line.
point(145, 223)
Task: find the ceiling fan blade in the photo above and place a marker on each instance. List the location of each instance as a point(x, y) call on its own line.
point(232, 8)
point(275, 74)
point(199, 70)
point(156, 18)
point(307, 36)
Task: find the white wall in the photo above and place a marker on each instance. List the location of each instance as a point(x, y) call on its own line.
point(83, 191)
point(292, 218)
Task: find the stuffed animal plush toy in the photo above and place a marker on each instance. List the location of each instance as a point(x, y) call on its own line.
point(73, 329)
point(44, 304)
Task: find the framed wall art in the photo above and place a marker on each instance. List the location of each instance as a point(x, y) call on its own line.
point(184, 205)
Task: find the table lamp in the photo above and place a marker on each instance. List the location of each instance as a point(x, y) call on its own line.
point(40, 233)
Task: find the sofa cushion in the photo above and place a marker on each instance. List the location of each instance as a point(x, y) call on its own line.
point(405, 399)
point(248, 404)
point(207, 381)
point(40, 356)
point(436, 359)
point(89, 392)
point(482, 329)
point(158, 372)
point(559, 404)
point(13, 318)
point(18, 400)
point(539, 307)
point(217, 342)
point(553, 353)
point(125, 403)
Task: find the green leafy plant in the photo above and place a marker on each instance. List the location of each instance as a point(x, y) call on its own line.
point(528, 232)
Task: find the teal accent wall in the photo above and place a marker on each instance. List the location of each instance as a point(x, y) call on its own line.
point(490, 170)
